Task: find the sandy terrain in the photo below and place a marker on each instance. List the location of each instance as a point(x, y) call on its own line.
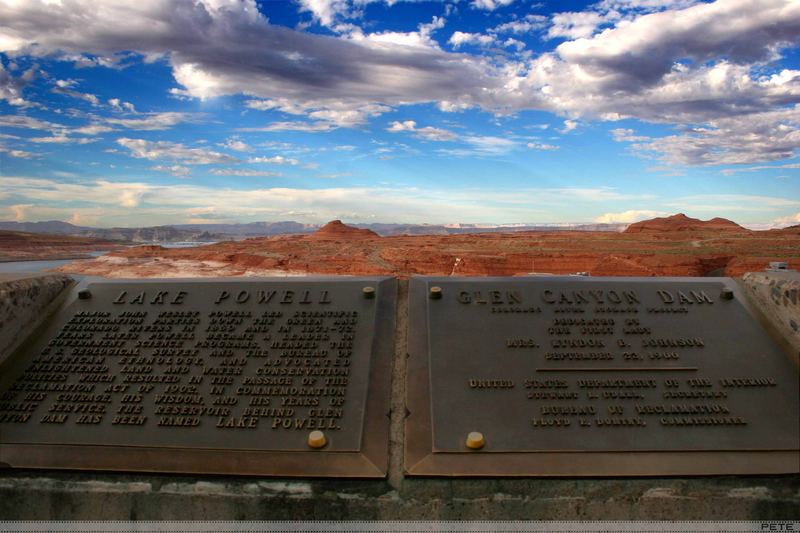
point(676, 246)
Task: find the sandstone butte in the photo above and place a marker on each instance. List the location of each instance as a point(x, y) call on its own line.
point(336, 230)
point(681, 222)
point(673, 246)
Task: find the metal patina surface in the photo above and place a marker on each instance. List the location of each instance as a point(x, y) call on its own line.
point(207, 376)
point(570, 376)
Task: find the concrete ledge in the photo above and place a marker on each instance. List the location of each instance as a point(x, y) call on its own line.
point(24, 301)
point(777, 295)
point(30, 496)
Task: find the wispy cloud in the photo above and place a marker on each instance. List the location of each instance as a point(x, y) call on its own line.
point(429, 133)
point(274, 160)
point(61, 139)
point(153, 121)
point(758, 168)
point(482, 146)
point(294, 126)
point(244, 172)
point(65, 87)
point(542, 146)
point(237, 145)
point(176, 170)
point(158, 150)
point(20, 154)
point(26, 122)
point(93, 129)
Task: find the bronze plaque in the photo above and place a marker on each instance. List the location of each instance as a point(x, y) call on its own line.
point(572, 376)
point(207, 376)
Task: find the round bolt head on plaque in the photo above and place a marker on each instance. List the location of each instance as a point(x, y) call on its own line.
point(84, 294)
point(369, 292)
point(436, 293)
point(726, 294)
point(475, 440)
point(316, 440)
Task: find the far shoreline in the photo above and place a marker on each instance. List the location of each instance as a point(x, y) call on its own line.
point(95, 253)
point(67, 256)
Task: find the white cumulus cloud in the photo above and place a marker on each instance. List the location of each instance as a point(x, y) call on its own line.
point(490, 5)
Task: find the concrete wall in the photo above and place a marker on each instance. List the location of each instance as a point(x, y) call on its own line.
point(86, 495)
point(24, 301)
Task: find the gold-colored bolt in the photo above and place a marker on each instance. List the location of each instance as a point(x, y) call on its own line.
point(369, 292)
point(436, 293)
point(726, 294)
point(316, 440)
point(475, 440)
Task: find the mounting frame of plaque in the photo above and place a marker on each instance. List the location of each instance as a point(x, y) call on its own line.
point(421, 458)
point(369, 461)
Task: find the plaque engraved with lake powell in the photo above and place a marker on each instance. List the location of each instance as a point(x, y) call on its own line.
point(571, 376)
point(207, 376)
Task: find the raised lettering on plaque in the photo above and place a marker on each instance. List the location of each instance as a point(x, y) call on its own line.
point(206, 376)
point(571, 376)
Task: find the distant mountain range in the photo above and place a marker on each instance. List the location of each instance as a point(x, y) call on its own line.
point(225, 232)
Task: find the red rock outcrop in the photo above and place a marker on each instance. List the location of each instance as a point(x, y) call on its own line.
point(346, 250)
point(789, 230)
point(336, 230)
point(681, 222)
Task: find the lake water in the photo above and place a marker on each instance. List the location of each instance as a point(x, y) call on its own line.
point(17, 267)
point(187, 244)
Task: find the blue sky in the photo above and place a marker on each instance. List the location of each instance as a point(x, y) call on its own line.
point(474, 111)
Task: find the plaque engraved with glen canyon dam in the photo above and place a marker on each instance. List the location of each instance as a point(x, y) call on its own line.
point(571, 376)
point(264, 376)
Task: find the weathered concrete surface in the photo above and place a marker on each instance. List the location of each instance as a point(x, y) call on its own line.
point(28, 495)
point(777, 295)
point(24, 301)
